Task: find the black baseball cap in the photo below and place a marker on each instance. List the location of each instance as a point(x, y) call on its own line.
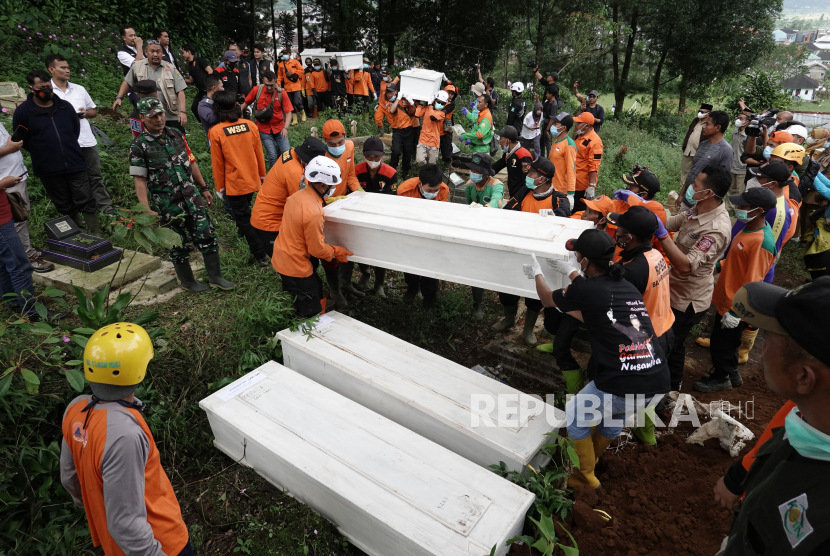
point(595, 245)
point(793, 313)
point(638, 220)
point(310, 148)
point(755, 197)
point(146, 87)
point(544, 166)
point(643, 179)
point(373, 146)
point(565, 119)
point(776, 170)
point(509, 132)
point(593, 92)
point(391, 87)
point(480, 163)
point(705, 106)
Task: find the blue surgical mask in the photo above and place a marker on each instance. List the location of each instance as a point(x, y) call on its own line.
point(365, 66)
point(283, 57)
point(337, 151)
point(438, 106)
point(553, 131)
point(331, 191)
point(806, 440)
point(429, 195)
point(743, 215)
point(767, 152)
point(827, 144)
point(386, 79)
point(317, 68)
point(530, 183)
point(689, 196)
point(476, 177)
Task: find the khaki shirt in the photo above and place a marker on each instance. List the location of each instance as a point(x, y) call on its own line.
point(694, 140)
point(157, 74)
point(703, 239)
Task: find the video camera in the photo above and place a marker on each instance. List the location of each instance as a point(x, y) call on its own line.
point(766, 119)
point(532, 64)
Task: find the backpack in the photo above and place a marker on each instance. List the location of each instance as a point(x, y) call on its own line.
point(805, 182)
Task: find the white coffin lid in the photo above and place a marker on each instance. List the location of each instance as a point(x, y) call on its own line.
point(437, 387)
point(507, 231)
point(436, 499)
point(421, 73)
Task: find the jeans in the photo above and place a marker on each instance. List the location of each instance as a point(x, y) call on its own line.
point(96, 180)
point(532, 145)
point(70, 192)
point(581, 420)
point(241, 207)
point(23, 227)
point(15, 270)
point(683, 323)
point(563, 328)
point(274, 145)
point(724, 348)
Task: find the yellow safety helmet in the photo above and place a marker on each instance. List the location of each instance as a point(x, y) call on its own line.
point(789, 151)
point(118, 354)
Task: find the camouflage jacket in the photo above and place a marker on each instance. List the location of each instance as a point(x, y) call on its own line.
point(166, 163)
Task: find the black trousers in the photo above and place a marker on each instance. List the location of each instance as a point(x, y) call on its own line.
point(579, 201)
point(544, 139)
point(724, 348)
point(428, 286)
point(445, 147)
point(416, 134)
point(241, 207)
point(683, 323)
point(307, 290)
point(324, 101)
point(187, 550)
point(402, 145)
point(194, 106)
point(563, 328)
point(70, 192)
point(508, 300)
point(267, 240)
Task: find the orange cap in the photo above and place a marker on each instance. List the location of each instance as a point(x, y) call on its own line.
point(585, 118)
point(602, 204)
point(333, 128)
point(781, 137)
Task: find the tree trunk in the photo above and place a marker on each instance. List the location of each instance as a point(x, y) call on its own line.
point(615, 54)
point(655, 90)
point(684, 86)
point(274, 30)
point(621, 77)
point(390, 50)
point(252, 41)
point(300, 26)
point(442, 46)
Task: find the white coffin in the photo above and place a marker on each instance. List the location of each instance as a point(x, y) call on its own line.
point(421, 84)
point(387, 489)
point(480, 247)
point(316, 53)
point(423, 392)
point(348, 60)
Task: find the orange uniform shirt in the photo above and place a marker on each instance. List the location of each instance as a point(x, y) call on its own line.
point(236, 157)
point(400, 119)
point(563, 155)
point(534, 205)
point(294, 67)
point(283, 180)
point(654, 206)
point(657, 296)
point(433, 125)
point(319, 81)
point(307, 84)
point(301, 235)
point(361, 83)
point(349, 181)
point(610, 228)
point(750, 257)
point(409, 188)
point(588, 158)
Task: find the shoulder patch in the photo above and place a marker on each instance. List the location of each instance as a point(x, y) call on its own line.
point(598, 156)
point(794, 519)
point(236, 129)
point(586, 142)
point(286, 156)
point(705, 243)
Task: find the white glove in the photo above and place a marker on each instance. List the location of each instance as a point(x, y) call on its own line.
point(729, 321)
point(571, 201)
point(545, 212)
point(589, 192)
point(474, 205)
point(565, 267)
point(534, 269)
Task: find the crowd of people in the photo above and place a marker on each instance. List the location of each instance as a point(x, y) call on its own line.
point(639, 280)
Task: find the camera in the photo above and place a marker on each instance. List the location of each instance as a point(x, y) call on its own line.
point(240, 99)
point(765, 119)
point(532, 64)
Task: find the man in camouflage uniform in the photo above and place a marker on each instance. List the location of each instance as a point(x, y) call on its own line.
point(165, 175)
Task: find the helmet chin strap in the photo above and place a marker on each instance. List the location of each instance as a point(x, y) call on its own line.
point(137, 405)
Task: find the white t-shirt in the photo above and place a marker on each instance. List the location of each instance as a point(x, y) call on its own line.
point(12, 163)
point(530, 127)
point(125, 58)
point(77, 96)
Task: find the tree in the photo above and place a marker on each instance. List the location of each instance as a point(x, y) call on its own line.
point(625, 16)
point(285, 24)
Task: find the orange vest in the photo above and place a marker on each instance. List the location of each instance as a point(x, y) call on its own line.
point(282, 181)
point(657, 296)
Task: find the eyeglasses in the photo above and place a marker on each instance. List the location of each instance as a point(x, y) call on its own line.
point(152, 41)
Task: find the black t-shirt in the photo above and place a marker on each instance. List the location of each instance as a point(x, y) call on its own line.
point(628, 360)
point(196, 69)
point(244, 68)
point(230, 79)
point(338, 82)
point(636, 266)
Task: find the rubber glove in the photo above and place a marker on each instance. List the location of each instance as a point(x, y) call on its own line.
point(330, 200)
point(661, 232)
point(464, 111)
point(729, 320)
point(623, 194)
point(565, 267)
point(468, 142)
point(545, 212)
point(532, 270)
point(589, 192)
point(340, 253)
point(571, 199)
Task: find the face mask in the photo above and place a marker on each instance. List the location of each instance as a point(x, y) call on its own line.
point(753, 183)
point(365, 66)
point(701, 115)
point(530, 183)
point(476, 177)
point(689, 196)
point(334, 66)
point(806, 440)
point(428, 195)
point(581, 131)
point(621, 243)
point(317, 68)
point(337, 151)
point(739, 123)
point(230, 65)
point(45, 94)
point(767, 152)
point(438, 106)
point(330, 192)
point(743, 215)
point(554, 132)
point(373, 164)
point(386, 79)
point(283, 57)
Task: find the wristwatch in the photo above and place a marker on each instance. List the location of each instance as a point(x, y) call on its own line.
point(118, 97)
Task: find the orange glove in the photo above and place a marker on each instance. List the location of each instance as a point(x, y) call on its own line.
point(340, 253)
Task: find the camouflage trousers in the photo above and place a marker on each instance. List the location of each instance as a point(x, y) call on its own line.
point(189, 219)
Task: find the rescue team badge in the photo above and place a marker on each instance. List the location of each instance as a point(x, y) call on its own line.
point(525, 167)
point(79, 433)
point(705, 243)
point(794, 519)
point(236, 129)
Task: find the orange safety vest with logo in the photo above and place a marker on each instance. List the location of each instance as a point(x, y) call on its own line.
point(657, 296)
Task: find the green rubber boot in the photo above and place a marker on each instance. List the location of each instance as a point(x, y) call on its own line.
point(530, 324)
point(509, 318)
point(573, 380)
point(645, 434)
point(333, 280)
point(478, 295)
point(365, 276)
point(545, 348)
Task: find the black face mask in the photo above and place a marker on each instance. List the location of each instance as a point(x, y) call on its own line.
point(622, 244)
point(44, 94)
point(231, 65)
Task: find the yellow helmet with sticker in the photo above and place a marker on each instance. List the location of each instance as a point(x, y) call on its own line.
point(789, 151)
point(118, 354)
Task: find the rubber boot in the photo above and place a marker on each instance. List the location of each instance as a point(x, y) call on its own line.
point(584, 476)
point(294, 119)
point(93, 227)
point(409, 296)
point(214, 272)
point(333, 279)
point(314, 113)
point(573, 380)
point(703, 342)
point(747, 341)
point(478, 295)
point(645, 434)
point(347, 269)
point(600, 444)
point(509, 318)
point(302, 115)
point(185, 275)
point(530, 324)
point(365, 276)
point(545, 348)
point(380, 276)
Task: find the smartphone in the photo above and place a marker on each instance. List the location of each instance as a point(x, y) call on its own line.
point(19, 133)
point(26, 173)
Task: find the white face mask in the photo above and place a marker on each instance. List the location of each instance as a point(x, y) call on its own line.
point(753, 183)
point(701, 115)
point(739, 123)
point(331, 191)
point(373, 164)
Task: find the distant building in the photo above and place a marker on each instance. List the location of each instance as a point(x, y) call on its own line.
point(784, 36)
point(804, 87)
point(816, 69)
point(823, 42)
point(806, 36)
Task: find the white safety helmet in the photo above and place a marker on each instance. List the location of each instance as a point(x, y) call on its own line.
point(322, 169)
point(519, 87)
point(442, 97)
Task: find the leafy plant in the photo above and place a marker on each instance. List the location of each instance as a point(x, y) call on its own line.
point(143, 226)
